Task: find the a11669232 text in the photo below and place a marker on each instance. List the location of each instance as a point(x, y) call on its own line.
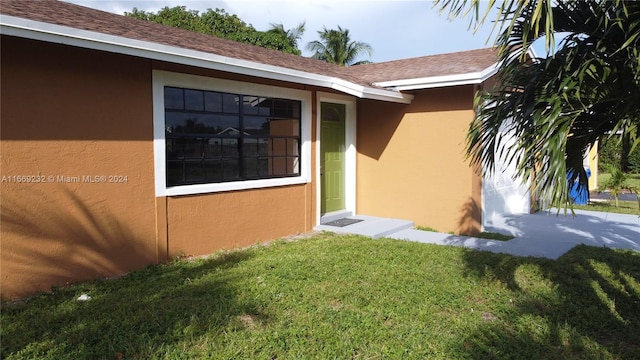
point(64, 179)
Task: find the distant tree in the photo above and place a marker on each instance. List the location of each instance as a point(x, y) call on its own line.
point(219, 23)
point(223, 24)
point(609, 153)
point(614, 151)
point(177, 16)
point(292, 35)
point(336, 47)
point(265, 40)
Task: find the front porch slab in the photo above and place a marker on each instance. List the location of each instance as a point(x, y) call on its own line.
point(371, 226)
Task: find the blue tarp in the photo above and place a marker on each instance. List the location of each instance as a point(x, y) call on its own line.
point(579, 196)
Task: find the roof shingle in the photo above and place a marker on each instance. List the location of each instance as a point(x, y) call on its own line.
point(463, 62)
point(80, 17)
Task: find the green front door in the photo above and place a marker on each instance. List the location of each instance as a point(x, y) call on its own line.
point(332, 148)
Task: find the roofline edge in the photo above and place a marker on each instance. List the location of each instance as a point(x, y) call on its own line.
point(59, 34)
point(431, 82)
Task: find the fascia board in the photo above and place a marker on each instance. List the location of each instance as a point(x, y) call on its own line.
point(371, 93)
point(378, 94)
point(36, 30)
point(440, 81)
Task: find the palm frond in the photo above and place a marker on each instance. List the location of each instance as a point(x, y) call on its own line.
point(559, 105)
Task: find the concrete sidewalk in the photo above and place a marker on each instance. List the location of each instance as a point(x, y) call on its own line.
point(543, 234)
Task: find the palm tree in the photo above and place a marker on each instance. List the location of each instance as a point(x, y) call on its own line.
point(618, 183)
point(292, 35)
point(584, 87)
point(336, 47)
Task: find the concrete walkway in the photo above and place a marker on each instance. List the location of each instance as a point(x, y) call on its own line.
point(542, 234)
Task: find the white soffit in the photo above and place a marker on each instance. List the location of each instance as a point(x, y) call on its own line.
point(36, 30)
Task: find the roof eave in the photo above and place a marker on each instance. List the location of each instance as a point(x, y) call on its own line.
point(36, 30)
point(440, 81)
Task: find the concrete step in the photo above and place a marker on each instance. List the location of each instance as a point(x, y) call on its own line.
point(371, 226)
point(335, 215)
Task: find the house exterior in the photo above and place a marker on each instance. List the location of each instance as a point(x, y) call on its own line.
point(125, 143)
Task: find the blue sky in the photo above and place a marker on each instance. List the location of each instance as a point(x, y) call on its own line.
point(396, 29)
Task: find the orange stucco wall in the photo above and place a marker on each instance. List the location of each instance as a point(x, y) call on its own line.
point(411, 163)
point(202, 224)
point(69, 115)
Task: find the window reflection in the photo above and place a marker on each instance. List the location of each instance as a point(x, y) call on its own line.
point(217, 137)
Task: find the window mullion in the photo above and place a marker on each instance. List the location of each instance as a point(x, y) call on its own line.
point(241, 165)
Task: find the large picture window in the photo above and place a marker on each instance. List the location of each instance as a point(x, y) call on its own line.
point(215, 137)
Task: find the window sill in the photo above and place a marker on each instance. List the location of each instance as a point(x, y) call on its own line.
point(232, 186)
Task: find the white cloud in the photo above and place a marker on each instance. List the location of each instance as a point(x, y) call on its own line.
point(396, 29)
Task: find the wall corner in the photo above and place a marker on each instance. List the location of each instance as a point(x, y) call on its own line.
point(162, 236)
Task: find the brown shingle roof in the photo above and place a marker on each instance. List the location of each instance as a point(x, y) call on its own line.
point(80, 17)
point(427, 66)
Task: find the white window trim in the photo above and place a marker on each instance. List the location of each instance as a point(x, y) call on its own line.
point(350, 151)
point(165, 78)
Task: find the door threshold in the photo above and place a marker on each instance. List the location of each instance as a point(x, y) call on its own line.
point(334, 215)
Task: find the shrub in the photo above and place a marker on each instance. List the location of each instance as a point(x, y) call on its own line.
point(610, 153)
point(634, 160)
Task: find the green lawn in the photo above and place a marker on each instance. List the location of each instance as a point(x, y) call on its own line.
point(624, 207)
point(632, 179)
point(339, 297)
